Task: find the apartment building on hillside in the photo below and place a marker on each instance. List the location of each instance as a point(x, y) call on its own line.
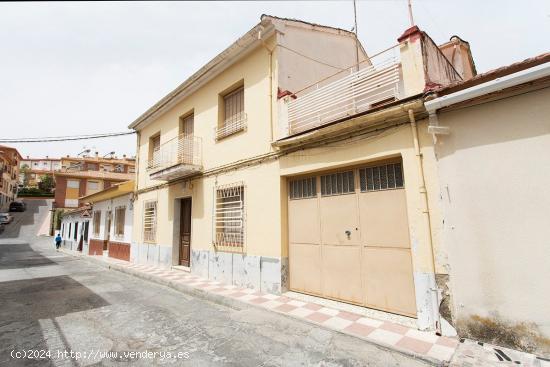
point(35, 168)
point(9, 175)
point(295, 161)
point(81, 176)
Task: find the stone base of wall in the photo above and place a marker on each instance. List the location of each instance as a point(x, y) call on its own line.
point(95, 247)
point(119, 250)
point(265, 274)
point(151, 254)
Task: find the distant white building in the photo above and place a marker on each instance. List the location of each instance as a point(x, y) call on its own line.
point(75, 229)
point(111, 216)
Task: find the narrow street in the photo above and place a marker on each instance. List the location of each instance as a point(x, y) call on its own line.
point(51, 301)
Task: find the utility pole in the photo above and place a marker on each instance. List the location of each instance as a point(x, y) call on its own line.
point(411, 13)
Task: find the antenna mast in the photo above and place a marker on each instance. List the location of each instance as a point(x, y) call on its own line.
point(356, 34)
point(410, 13)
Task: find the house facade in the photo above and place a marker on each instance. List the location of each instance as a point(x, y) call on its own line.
point(111, 216)
point(294, 161)
point(9, 175)
point(492, 145)
point(87, 175)
point(75, 229)
point(35, 168)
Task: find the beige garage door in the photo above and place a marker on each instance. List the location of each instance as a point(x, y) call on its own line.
point(349, 238)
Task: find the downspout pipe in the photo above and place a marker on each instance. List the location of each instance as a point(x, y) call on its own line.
point(427, 220)
point(270, 53)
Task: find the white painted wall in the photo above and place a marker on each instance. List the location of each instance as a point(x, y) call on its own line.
point(494, 170)
point(104, 207)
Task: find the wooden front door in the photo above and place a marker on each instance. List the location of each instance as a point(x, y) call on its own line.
point(185, 232)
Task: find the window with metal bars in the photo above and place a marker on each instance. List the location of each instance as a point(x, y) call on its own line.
point(337, 183)
point(120, 214)
point(303, 188)
point(229, 216)
point(234, 117)
point(383, 177)
point(150, 221)
point(96, 222)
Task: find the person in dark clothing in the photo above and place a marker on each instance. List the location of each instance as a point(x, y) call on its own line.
point(58, 240)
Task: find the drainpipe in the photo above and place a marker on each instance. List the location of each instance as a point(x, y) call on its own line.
point(270, 52)
point(427, 219)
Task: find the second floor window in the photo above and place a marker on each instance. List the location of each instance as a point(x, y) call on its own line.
point(233, 118)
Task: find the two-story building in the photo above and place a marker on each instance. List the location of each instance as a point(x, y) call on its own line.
point(82, 176)
point(33, 169)
point(9, 175)
point(295, 161)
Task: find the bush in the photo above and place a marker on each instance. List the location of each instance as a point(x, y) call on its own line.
point(33, 192)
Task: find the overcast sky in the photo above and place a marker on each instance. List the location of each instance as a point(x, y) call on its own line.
point(86, 68)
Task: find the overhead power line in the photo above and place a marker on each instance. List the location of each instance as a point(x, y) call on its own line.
point(47, 139)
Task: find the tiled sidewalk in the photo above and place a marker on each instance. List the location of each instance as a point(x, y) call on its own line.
point(411, 341)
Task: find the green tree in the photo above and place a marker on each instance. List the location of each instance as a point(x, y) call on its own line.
point(24, 171)
point(46, 183)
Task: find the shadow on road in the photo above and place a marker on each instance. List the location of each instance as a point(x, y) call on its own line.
point(27, 218)
point(21, 256)
point(28, 307)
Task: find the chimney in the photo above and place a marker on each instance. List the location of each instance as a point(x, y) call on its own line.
point(459, 54)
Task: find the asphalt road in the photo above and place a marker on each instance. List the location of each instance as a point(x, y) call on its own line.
point(52, 304)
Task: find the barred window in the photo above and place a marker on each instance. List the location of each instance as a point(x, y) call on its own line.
point(120, 214)
point(96, 222)
point(337, 183)
point(150, 221)
point(383, 177)
point(229, 216)
point(234, 117)
point(303, 188)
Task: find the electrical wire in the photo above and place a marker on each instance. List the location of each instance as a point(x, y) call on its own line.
point(65, 138)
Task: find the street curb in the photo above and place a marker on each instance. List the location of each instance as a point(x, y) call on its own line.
point(236, 304)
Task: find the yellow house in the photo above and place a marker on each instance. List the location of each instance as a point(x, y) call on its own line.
point(294, 161)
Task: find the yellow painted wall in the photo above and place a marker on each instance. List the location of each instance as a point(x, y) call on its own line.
point(255, 140)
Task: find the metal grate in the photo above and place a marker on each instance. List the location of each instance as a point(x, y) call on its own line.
point(337, 183)
point(150, 221)
point(383, 177)
point(303, 188)
point(229, 216)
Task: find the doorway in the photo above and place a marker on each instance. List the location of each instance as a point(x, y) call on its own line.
point(185, 232)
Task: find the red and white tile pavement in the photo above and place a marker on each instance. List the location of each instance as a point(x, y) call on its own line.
point(384, 333)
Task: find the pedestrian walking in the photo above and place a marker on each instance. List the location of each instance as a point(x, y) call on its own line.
point(58, 240)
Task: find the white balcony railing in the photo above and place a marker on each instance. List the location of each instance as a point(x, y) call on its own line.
point(347, 93)
point(231, 126)
point(181, 150)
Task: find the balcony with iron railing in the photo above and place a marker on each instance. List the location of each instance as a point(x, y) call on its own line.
point(367, 85)
point(178, 157)
point(234, 124)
